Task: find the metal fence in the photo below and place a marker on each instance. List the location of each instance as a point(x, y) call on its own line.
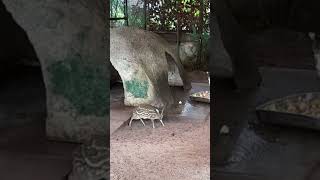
point(175, 16)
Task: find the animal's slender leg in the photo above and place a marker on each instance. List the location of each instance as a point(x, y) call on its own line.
point(142, 122)
point(161, 122)
point(130, 121)
point(152, 120)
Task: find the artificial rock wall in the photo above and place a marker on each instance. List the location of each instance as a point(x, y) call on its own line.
point(69, 39)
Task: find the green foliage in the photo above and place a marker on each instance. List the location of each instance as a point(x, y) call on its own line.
point(117, 8)
point(162, 14)
point(136, 16)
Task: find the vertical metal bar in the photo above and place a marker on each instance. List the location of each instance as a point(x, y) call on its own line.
point(145, 14)
point(126, 12)
point(178, 28)
point(110, 7)
point(200, 33)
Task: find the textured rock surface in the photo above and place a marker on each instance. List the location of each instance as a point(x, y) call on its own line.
point(174, 78)
point(68, 37)
point(188, 53)
point(220, 63)
point(140, 58)
point(91, 160)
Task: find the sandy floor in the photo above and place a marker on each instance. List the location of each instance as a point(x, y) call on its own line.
point(180, 150)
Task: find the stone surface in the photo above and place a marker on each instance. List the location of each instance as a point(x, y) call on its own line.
point(224, 130)
point(188, 49)
point(140, 58)
point(220, 62)
point(188, 53)
point(69, 39)
point(174, 78)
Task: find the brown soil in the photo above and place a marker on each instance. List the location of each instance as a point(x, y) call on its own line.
point(180, 150)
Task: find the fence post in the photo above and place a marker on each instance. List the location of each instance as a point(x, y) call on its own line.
point(145, 14)
point(178, 29)
point(126, 12)
point(200, 31)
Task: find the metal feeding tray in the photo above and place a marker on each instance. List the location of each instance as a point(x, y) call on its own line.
point(202, 96)
point(299, 110)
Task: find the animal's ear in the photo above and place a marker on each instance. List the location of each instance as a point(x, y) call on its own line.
point(312, 35)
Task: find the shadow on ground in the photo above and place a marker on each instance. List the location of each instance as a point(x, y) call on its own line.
point(25, 152)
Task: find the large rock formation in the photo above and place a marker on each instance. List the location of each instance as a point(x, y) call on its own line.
point(220, 64)
point(140, 58)
point(174, 78)
point(69, 39)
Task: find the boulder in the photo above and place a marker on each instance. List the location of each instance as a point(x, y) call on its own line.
point(140, 58)
point(69, 40)
point(188, 53)
point(188, 58)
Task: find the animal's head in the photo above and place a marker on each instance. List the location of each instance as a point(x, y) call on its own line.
point(160, 112)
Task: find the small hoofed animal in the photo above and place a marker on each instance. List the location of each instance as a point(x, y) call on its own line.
point(147, 112)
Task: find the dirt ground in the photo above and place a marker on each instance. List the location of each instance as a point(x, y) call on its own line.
point(179, 150)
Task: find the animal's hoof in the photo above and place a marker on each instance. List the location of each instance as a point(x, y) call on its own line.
point(162, 122)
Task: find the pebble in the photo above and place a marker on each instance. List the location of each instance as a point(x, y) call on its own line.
point(224, 130)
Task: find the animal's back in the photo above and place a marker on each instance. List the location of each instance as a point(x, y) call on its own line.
point(147, 112)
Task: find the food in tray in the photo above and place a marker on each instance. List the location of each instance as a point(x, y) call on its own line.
point(305, 104)
point(200, 96)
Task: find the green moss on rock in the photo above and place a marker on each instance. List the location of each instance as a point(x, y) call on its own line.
point(137, 88)
point(83, 83)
